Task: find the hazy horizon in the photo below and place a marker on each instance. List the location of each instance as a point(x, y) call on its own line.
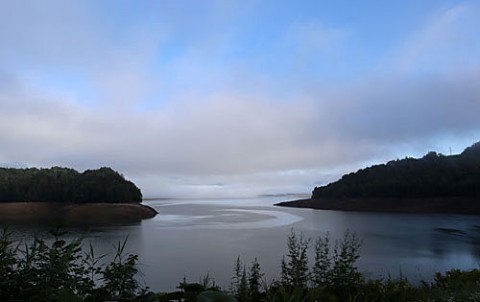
point(235, 98)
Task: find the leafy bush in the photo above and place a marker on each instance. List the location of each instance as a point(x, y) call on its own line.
point(61, 271)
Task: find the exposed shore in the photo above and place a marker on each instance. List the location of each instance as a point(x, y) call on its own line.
point(392, 205)
point(73, 214)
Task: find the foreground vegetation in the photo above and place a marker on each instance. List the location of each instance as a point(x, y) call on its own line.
point(66, 185)
point(434, 175)
point(52, 269)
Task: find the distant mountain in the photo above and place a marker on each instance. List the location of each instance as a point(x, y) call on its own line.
point(432, 176)
point(66, 185)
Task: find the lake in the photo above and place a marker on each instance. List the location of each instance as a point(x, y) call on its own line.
point(193, 238)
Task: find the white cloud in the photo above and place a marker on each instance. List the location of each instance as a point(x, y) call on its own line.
point(233, 138)
point(224, 125)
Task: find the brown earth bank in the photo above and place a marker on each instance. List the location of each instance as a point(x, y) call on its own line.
point(73, 214)
point(455, 205)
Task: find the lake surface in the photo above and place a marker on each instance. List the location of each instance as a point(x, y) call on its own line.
point(193, 238)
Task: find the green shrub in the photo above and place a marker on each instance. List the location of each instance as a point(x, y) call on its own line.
point(57, 270)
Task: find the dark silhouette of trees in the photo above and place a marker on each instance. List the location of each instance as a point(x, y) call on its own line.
point(433, 175)
point(59, 184)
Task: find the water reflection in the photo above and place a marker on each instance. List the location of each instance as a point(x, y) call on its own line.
point(193, 238)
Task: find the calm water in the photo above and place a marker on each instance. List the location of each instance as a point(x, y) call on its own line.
point(193, 238)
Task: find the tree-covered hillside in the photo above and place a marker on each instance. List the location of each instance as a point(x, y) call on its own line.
point(66, 185)
point(433, 175)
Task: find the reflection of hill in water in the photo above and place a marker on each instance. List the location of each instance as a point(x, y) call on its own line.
point(90, 214)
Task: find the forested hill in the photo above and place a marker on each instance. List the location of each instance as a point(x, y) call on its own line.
point(433, 175)
point(66, 185)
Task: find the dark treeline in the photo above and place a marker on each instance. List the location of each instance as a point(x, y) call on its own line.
point(434, 175)
point(59, 184)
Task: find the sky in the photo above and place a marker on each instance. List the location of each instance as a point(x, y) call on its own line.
point(224, 98)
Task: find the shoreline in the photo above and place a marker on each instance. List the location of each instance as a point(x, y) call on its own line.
point(454, 205)
point(74, 214)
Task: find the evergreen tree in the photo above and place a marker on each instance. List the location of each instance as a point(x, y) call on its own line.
point(254, 279)
point(243, 293)
point(322, 274)
point(295, 268)
point(237, 277)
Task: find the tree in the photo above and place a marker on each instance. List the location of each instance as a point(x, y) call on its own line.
point(237, 277)
point(335, 268)
point(254, 279)
point(295, 269)
point(345, 255)
point(433, 175)
point(59, 184)
point(322, 274)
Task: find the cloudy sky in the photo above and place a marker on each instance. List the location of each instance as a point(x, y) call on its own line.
point(235, 98)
